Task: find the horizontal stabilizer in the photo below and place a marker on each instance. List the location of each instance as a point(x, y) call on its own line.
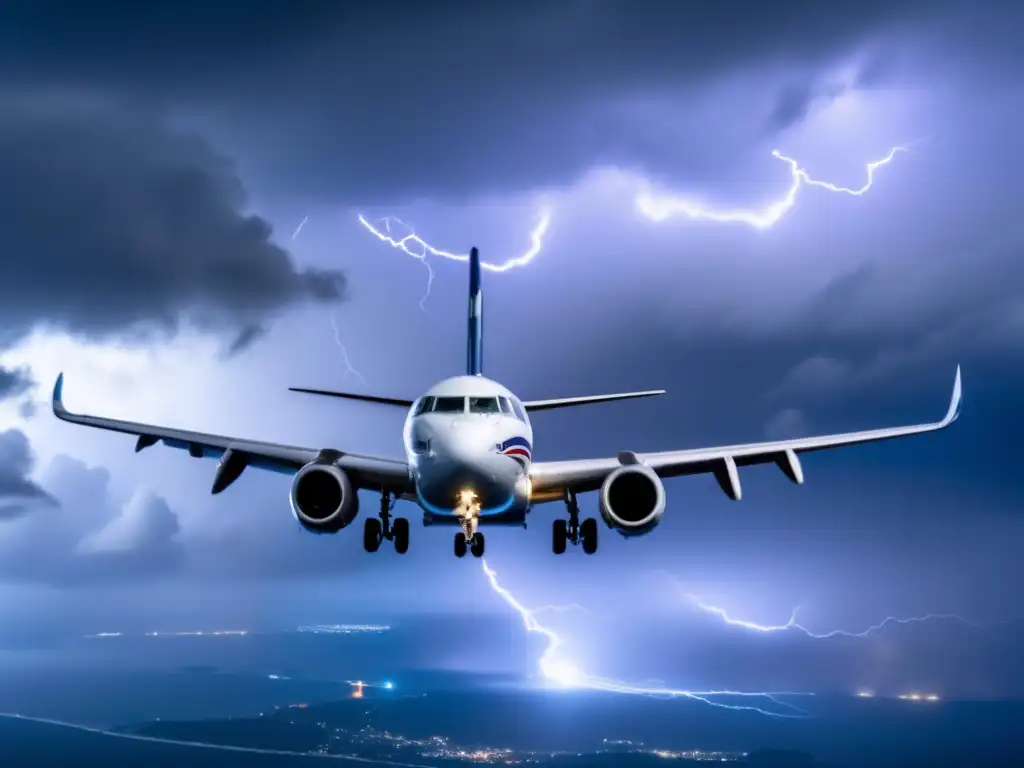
point(566, 402)
point(352, 396)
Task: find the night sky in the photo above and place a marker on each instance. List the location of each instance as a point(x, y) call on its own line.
point(159, 157)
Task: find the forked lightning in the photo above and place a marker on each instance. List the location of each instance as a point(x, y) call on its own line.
point(469, 461)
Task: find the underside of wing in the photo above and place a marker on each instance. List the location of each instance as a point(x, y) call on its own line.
point(236, 454)
point(550, 478)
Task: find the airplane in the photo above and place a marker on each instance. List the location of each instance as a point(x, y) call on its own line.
point(469, 461)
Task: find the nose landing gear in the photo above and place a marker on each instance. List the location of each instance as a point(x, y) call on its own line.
point(376, 530)
point(571, 530)
point(474, 543)
point(468, 512)
point(469, 537)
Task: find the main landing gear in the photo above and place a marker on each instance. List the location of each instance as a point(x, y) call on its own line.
point(376, 529)
point(572, 530)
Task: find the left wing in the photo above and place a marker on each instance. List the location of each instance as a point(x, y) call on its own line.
point(236, 454)
point(551, 479)
point(568, 402)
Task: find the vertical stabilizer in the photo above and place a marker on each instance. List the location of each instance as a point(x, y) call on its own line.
point(475, 346)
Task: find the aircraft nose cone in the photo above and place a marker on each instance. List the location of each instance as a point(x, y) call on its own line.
point(466, 442)
point(472, 457)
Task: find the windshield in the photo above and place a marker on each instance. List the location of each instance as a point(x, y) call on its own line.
point(484, 405)
point(450, 405)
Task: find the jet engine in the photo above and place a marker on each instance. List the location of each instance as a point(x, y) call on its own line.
point(632, 500)
point(323, 498)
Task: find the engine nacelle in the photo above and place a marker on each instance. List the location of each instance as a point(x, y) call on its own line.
point(322, 497)
point(632, 500)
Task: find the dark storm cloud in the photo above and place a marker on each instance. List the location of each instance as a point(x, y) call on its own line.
point(18, 492)
point(69, 529)
point(114, 223)
point(385, 100)
point(14, 382)
point(245, 339)
point(88, 537)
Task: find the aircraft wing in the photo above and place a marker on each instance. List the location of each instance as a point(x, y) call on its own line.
point(550, 480)
point(568, 402)
point(236, 454)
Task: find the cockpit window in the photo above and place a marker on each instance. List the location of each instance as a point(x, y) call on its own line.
point(424, 405)
point(506, 405)
point(517, 408)
point(449, 405)
point(484, 405)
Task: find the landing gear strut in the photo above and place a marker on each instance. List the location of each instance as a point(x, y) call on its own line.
point(376, 530)
point(572, 531)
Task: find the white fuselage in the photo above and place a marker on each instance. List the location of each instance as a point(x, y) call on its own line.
point(468, 441)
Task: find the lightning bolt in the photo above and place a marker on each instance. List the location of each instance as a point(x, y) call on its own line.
point(349, 368)
point(661, 207)
point(413, 245)
point(793, 625)
point(299, 228)
point(555, 669)
point(656, 207)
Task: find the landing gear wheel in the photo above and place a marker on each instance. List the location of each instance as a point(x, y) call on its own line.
point(372, 534)
point(559, 535)
point(400, 532)
point(460, 544)
point(588, 533)
point(477, 547)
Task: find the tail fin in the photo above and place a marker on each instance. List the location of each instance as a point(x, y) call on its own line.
point(475, 345)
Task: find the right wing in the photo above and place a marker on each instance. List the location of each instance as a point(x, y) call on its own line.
point(370, 472)
point(552, 479)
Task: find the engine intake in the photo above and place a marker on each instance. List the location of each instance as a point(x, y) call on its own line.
point(632, 500)
point(323, 498)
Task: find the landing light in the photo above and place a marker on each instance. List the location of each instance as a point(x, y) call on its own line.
point(466, 497)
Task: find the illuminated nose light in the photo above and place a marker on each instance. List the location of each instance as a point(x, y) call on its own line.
point(466, 497)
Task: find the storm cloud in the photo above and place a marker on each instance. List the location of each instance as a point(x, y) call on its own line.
point(502, 96)
point(14, 381)
point(851, 312)
point(86, 535)
point(121, 226)
point(18, 492)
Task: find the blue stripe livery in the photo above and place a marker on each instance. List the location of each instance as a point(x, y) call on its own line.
point(520, 442)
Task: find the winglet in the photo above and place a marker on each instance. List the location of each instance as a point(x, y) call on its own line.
point(954, 402)
point(58, 397)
